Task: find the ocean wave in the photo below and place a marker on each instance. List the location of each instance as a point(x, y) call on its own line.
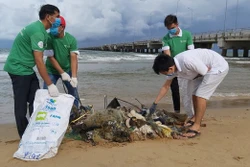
point(110, 60)
point(147, 56)
point(242, 62)
point(3, 57)
point(231, 95)
point(115, 57)
point(99, 56)
point(238, 58)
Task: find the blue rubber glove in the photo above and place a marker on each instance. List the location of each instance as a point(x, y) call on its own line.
point(152, 108)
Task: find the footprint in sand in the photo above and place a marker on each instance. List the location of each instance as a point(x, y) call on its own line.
point(238, 158)
point(12, 141)
point(188, 144)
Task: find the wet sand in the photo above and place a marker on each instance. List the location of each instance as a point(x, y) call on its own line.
point(223, 142)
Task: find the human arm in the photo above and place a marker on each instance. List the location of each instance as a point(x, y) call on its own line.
point(74, 64)
point(166, 46)
point(53, 91)
point(167, 52)
point(74, 53)
point(41, 67)
point(190, 43)
point(199, 75)
point(56, 65)
point(38, 45)
point(163, 91)
point(74, 68)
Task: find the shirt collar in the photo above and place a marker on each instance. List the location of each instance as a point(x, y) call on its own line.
point(178, 35)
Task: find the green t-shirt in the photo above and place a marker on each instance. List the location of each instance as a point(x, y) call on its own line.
point(21, 59)
point(62, 48)
point(177, 44)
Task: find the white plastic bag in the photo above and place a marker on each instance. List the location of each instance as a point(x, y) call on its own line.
point(46, 128)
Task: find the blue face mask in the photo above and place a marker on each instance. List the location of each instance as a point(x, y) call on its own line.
point(172, 74)
point(56, 23)
point(173, 31)
point(54, 29)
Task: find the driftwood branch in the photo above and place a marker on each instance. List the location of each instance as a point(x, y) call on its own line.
point(129, 103)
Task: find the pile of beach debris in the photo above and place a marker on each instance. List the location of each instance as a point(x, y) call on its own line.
point(122, 124)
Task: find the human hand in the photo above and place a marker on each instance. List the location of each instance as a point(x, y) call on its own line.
point(152, 108)
point(208, 68)
point(53, 91)
point(65, 77)
point(198, 76)
point(73, 82)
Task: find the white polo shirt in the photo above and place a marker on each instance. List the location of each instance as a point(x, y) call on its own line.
point(190, 63)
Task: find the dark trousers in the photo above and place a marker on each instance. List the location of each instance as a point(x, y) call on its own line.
point(24, 89)
point(175, 94)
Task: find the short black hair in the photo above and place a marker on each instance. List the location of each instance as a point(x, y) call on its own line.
point(170, 19)
point(47, 9)
point(162, 63)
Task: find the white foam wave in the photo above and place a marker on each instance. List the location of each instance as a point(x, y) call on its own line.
point(87, 56)
point(110, 59)
point(237, 58)
point(114, 57)
point(231, 95)
point(148, 56)
point(242, 62)
point(3, 57)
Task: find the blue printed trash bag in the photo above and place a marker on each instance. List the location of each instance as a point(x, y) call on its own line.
point(46, 127)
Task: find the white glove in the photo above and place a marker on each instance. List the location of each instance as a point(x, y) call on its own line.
point(65, 77)
point(53, 91)
point(73, 82)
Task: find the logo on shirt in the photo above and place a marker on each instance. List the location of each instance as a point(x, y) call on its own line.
point(40, 44)
point(66, 46)
point(183, 41)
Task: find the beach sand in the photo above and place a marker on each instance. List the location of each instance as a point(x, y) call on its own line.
point(223, 142)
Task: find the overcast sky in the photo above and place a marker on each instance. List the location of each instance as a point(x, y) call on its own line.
point(96, 22)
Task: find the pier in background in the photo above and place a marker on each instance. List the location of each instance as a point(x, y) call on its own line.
point(231, 39)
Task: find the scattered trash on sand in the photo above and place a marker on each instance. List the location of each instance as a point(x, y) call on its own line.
point(119, 123)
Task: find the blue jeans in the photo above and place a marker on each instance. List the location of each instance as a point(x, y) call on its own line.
point(72, 91)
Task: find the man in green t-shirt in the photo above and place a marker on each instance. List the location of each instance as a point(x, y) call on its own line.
point(26, 52)
point(175, 42)
point(62, 59)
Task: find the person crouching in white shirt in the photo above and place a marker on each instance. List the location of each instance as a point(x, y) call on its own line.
point(203, 67)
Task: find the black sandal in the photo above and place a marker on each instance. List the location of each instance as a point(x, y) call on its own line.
point(196, 133)
point(189, 123)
